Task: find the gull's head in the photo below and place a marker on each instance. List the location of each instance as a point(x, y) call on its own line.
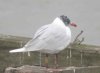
point(67, 21)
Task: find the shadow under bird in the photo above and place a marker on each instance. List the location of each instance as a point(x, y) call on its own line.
point(50, 39)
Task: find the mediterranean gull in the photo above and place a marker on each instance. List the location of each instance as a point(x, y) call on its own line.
point(51, 38)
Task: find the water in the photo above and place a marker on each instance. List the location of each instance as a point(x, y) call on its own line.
point(24, 17)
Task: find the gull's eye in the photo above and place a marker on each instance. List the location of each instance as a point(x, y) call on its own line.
point(68, 20)
point(66, 17)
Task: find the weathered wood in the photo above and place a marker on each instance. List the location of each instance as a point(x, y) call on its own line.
point(37, 69)
point(26, 69)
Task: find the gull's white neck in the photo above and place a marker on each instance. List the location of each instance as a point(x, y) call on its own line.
point(58, 21)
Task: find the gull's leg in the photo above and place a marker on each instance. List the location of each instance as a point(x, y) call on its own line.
point(56, 60)
point(46, 60)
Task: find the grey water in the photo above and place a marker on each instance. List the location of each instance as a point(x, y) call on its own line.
point(24, 17)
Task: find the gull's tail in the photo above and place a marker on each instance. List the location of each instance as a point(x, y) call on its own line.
point(18, 50)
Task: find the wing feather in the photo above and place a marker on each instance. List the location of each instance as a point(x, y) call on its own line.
point(37, 35)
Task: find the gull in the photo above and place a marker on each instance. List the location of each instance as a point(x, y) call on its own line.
point(50, 39)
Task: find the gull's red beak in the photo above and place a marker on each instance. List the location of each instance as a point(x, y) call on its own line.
point(73, 24)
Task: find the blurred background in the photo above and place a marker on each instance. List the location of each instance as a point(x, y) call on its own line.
point(24, 17)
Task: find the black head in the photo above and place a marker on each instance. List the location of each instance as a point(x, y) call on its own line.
point(65, 19)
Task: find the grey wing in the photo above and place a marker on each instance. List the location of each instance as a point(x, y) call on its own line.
point(37, 35)
point(40, 31)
